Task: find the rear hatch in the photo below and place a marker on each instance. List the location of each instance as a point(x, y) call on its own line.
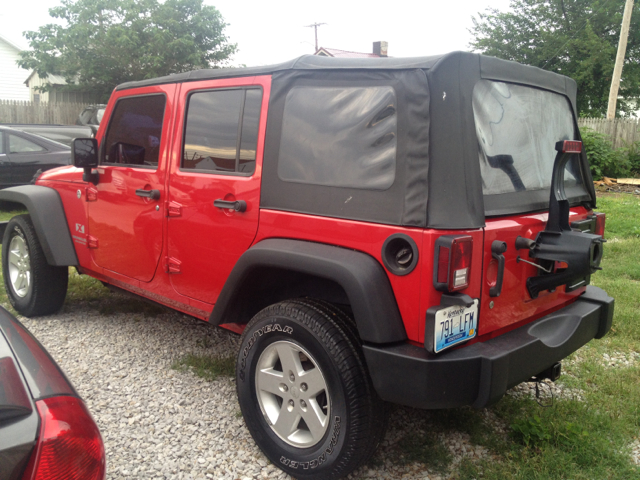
point(518, 127)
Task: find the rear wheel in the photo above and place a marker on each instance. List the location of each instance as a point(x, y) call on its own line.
point(33, 286)
point(305, 392)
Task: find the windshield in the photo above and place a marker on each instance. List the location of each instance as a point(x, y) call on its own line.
point(517, 128)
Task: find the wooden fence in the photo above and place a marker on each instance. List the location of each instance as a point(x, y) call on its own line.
point(13, 111)
point(621, 131)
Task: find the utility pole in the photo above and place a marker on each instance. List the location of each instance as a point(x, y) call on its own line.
point(617, 70)
point(315, 27)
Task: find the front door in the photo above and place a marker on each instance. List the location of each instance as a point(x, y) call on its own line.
point(125, 207)
point(214, 191)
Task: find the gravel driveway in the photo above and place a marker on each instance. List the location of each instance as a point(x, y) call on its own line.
point(158, 422)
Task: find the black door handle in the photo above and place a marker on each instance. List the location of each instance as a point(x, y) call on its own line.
point(497, 249)
point(238, 205)
point(152, 194)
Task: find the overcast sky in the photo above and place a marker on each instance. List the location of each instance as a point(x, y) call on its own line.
point(274, 31)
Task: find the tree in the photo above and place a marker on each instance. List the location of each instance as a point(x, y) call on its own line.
point(576, 38)
point(108, 42)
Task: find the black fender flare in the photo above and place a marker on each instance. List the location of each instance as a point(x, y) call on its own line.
point(363, 279)
point(48, 217)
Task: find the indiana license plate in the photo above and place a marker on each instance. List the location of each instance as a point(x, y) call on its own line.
point(455, 325)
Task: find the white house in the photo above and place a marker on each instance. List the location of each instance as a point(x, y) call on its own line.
point(12, 77)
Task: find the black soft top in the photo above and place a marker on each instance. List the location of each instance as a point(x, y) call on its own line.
point(440, 184)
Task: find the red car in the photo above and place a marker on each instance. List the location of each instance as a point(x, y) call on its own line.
point(46, 431)
point(419, 231)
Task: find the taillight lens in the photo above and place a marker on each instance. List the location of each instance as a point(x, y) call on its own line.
point(600, 221)
point(569, 146)
point(443, 264)
point(453, 263)
point(69, 446)
point(460, 263)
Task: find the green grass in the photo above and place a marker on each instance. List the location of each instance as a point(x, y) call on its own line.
point(206, 366)
point(9, 210)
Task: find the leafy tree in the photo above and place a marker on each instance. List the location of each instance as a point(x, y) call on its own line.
point(107, 42)
point(576, 38)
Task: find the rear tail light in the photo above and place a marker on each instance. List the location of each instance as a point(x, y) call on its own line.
point(569, 146)
point(452, 265)
point(69, 445)
point(600, 221)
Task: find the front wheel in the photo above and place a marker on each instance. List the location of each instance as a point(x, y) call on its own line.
point(305, 392)
point(33, 286)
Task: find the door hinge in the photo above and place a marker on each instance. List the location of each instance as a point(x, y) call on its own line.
point(174, 209)
point(91, 194)
point(173, 265)
point(92, 242)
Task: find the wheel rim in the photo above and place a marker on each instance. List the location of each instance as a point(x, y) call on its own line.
point(19, 266)
point(293, 394)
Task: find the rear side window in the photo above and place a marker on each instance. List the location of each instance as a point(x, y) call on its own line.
point(339, 136)
point(22, 145)
point(135, 131)
point(517, 130)
point(221, 131)
point(1, 142)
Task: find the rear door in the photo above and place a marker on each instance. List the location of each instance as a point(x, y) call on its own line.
point(214, 189)
point(125, 207)
point(517, 128)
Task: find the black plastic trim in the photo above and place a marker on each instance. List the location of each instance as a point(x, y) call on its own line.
point(363, 279)
point(48, 217)
point(480, 374)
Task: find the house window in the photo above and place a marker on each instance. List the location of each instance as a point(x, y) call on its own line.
point(221, 131)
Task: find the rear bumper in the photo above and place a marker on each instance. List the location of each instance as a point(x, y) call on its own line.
point(481, 373)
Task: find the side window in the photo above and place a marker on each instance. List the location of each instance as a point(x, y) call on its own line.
point(1, 143)
point(221, 131)
point(85, 115)
point(339, 137)
point(21, 145)
point(135, 131)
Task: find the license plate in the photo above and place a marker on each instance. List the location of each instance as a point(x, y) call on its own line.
point(455, 325)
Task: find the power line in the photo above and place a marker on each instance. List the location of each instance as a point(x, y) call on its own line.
point(315, 27)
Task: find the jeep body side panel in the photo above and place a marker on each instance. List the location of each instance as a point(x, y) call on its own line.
point(362, 277)
point(48, 216)
point(364, 237)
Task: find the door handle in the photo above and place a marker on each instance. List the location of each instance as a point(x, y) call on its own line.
point(152, 194)
point(238, 205)
point(497, 249)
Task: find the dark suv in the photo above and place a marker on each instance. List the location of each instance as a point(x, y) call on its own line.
point(412, 230)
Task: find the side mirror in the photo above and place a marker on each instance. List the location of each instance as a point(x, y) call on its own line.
point(84, 154)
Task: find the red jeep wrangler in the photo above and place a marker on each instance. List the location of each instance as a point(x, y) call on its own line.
point(411, 230)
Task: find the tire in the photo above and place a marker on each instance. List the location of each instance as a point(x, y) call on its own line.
point(325, 420)
point(33, 286)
